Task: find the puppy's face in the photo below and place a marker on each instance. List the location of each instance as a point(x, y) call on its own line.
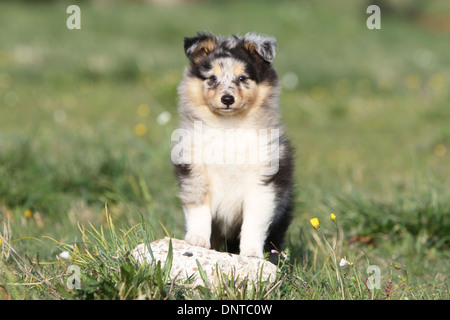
point(229, 75)
point(227, 87)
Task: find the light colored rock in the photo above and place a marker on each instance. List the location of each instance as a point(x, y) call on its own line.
point(184, 263)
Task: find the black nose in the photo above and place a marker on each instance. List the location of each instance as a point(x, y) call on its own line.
point(227, 99)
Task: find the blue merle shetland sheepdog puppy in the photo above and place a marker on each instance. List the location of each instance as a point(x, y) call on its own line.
point(233, 164)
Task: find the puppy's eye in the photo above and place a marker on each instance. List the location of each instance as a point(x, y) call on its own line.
point(213, 78)
point(242, 78)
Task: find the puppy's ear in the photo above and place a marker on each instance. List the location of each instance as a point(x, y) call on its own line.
point(263, 46)
point(197, 48)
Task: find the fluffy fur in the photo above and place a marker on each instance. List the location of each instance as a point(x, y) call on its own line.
point(230, 84)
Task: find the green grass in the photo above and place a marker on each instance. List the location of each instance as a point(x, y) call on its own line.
point(367, 111)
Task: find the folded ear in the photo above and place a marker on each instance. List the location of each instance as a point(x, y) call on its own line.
point(197, 48)
point(263, 46)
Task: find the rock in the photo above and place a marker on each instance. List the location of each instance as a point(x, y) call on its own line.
point(184, 263)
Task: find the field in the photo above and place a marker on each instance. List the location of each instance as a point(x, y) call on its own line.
point(86, 118)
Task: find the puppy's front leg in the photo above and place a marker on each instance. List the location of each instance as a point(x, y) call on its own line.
point(198, 226)
point(194, 196)
point(259, 206)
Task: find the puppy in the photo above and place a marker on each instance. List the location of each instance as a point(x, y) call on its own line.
point(233, 164)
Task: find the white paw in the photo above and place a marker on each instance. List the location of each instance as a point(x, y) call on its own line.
point(252, 253)
point(197, 240)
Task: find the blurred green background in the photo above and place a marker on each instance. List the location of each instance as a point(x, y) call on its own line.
point(86, 118)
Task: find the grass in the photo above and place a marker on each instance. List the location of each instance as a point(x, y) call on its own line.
point(367, 111)
point(106, 270)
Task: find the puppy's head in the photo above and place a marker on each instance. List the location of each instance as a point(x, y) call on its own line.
point(230, 75)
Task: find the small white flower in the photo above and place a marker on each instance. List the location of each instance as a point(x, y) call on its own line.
point(344, 262)
point(290, 80)
point(64, 255)
point(59, 115)
point(163, 118)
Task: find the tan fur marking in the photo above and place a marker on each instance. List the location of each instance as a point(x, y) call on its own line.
point(203, 49)
point(216, 69)
point(250, 47)
point(238, 69)
point(194, 89)
point(206, 201)
point(262, 92)
point(257, 97)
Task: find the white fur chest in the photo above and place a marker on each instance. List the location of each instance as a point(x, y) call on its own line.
point(228, 185)
point(232, 168)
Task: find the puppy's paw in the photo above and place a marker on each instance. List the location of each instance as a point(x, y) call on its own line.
point(197, 240)
point(249, 252)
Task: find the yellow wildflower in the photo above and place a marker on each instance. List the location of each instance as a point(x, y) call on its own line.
point(140, 129)
point(143, 110)
point(315, 223)
point(333, 217)
point(440, 150)
point(28, 214)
